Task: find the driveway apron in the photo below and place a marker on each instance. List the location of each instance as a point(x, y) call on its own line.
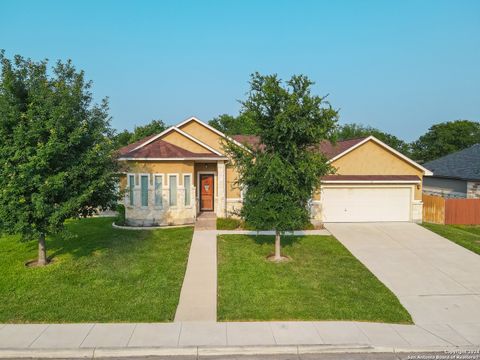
point(436, 280)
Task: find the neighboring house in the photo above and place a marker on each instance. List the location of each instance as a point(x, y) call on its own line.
point(172, 177)
point(455, 175)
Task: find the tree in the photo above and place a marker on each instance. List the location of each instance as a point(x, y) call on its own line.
point(139, 132)
point(351, 131)
point(231, 125)
point(281, 178)
point(445, 138)
point(55, 154)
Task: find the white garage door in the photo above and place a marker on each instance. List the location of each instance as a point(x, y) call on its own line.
point(366, 204)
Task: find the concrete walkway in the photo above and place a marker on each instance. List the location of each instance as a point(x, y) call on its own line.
point(198, 297)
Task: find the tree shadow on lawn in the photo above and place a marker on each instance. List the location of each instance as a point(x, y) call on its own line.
point(286, 240)
point(86, 237)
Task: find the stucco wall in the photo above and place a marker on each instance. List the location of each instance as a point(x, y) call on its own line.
point(203, 134)
point(233, 192)
point(373, 159)
point(185, 143)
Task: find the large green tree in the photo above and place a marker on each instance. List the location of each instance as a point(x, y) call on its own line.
point(139, 132)
point(55, 150)
point(282, 176)
point(444, 138)
point(351, 131)
point(235, 125)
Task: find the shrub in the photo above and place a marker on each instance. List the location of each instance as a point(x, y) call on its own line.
point(120, 220)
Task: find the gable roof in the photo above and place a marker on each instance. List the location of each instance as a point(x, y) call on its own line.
point(463, 164)
point(130, 147)
point(175, 129)
point(334, 151)
point(211, 128)
point(161, 149)
point(331, 150)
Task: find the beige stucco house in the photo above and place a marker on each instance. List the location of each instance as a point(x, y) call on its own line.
point(172, 177)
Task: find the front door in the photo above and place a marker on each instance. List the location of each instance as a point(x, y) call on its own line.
point(206, 192)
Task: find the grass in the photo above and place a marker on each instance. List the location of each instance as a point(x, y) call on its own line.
point(322, 281)
point(467, 236)
point(99, 274)
point(230, 223)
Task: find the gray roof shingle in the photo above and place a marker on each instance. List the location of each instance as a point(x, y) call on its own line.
point(463, 164)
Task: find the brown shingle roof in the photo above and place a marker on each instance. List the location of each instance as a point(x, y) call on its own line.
point(326, 147)
point(130, 147)
point(162, 149)
point(331, 150)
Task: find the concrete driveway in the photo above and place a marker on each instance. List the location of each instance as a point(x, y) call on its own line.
point(436, 280)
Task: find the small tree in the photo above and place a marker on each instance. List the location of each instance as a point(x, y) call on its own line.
point(55, 154)
point(281, 176)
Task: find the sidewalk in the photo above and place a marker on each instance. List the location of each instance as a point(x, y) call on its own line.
point(229, 336)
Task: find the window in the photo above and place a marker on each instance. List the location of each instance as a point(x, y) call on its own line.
point(144, 189)
point(187, 184)
point(131, 189)
point(158, 190)
point(172, 182)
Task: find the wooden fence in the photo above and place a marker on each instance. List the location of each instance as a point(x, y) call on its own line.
point(438, 210)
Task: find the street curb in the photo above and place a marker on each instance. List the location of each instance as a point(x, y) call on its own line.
point(140, 352)
point(98, 353)
point(47, 353)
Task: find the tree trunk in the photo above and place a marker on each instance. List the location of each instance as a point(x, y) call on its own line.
point(278, 255)
point(42, 251)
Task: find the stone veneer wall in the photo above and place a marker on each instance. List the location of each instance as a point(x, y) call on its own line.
point(473, 190)
point(233, 207)
point(417, 211)
point(152, 215)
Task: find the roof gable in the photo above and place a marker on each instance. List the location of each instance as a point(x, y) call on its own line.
point(160, 149)
point(170, 130)
point(200, 124)
point(386, 148)
point(334, 151)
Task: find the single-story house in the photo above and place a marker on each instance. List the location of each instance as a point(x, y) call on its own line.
point(172, 177)
point(455, 175)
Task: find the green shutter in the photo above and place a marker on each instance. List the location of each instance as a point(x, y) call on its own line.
point(158, 190)
point(144, 190)
point(172, 182)
point(187, 185)
point(131, 189)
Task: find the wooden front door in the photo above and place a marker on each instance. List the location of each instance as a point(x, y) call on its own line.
point(206, 192)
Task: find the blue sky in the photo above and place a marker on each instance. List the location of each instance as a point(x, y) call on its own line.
point(400, 65)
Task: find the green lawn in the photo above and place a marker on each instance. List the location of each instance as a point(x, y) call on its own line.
point(98, 274)
point(463, 235)
point(322, 281)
